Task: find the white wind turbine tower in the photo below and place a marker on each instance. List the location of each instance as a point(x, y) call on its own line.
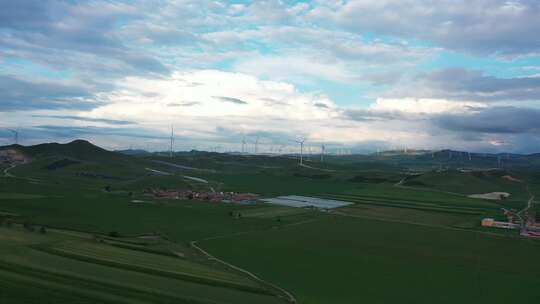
point(322, 153)
point(244, 145)
point(301, 142)
point(257, 144)
point(172, 142)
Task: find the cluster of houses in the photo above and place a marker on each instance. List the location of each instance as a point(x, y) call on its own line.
point(227, 197)
point(527, 223)
point(12, 156)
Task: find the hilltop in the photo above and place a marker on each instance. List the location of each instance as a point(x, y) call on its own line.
point(76, 161)
point(77, 149)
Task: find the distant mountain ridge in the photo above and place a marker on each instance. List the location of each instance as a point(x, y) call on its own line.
point(77, 149)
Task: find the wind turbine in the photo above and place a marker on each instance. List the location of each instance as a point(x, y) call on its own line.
point(15, 135)
point(172, 142)
point(257, 144)
point(244, 145)
point(301, 142)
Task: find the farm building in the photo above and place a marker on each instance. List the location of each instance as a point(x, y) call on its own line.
point(489, 222)
point(305, 201)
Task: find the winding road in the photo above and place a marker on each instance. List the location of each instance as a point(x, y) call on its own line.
point(6, 171)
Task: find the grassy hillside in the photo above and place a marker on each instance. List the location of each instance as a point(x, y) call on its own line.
point(67, 267)
point(406, 238)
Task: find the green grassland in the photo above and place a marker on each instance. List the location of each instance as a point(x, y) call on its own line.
point(353, 260)
point(101, 273)
point(274, 212)
point(469, 182)
point(415, 242)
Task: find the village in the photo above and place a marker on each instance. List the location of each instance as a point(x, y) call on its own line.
point(225, 197)
point(525, 221)
point(12, 157)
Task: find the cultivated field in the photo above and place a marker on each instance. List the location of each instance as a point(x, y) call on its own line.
point(64, 267)
point(341, 259)
point(406, 238)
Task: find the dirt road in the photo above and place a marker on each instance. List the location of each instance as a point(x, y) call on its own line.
point(6, 171)
point(285, 294)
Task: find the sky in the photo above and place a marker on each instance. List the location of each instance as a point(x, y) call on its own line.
point(356, 76)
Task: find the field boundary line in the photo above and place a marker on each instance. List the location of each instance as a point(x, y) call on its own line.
point(288, 295)
point(183, 276)
point(420, 224)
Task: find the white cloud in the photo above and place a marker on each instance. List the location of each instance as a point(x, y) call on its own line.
point(483, 26)
point(298, 68)
point(211, 107)
point(261, 104)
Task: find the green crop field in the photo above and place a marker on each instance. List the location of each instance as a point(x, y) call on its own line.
point(406, 238)
point(350, 260)
point(107, 274)
point(273, 212)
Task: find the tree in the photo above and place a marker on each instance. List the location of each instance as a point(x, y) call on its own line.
point(42, 230)
point(108, 188)
point(114, 234)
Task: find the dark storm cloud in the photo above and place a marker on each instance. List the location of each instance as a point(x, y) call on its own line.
point(470, 85)
point(231, 99)
point(497, 120)
point(88, 119)
point(17, 94)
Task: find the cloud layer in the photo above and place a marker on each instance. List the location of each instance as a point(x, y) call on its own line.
point(364, 74)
